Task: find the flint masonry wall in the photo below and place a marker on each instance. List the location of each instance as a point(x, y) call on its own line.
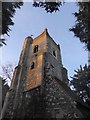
point(14, 94)
point(25, 79)
point(58, 103)
point(54, 62)
point(35, 93)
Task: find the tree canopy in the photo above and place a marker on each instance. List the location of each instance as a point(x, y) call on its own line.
point(4, 89)
point(48, 5)
point(8, 12)
point(2, 41)
point(81, 28)
point(9, 9)
point(81, 83)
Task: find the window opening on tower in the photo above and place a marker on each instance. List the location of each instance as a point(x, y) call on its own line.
point(32, 65)
point(35, 48)
point(54, 53)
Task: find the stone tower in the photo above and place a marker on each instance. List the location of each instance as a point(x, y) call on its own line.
point(37, 88)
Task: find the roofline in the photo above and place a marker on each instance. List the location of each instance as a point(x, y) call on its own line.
point(41, 34)
point(47, 34)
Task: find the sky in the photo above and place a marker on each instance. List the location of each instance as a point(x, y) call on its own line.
point(29, 20)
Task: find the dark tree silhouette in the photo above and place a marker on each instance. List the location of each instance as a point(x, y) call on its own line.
point(7, 11)
point(2, 42)
point(81, 29)
point(49, 5)
point(81, 83)
point(3, 90)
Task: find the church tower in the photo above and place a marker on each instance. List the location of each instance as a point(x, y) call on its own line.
point(37, 88)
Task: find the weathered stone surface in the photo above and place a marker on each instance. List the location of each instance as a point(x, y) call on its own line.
point(58, 103)
point(36, 91)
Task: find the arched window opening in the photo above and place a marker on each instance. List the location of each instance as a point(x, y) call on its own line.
point(32, 65)
point(54, 53)
point(35, 49)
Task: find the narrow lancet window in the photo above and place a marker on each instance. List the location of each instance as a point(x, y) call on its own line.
point(32, 65)
point(54, 53)
point(35, 49)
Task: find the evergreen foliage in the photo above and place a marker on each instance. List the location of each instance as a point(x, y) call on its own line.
point(2, 42)
point(81, 29)
point(48, 5)
point(8, 12)
point(81, 83)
